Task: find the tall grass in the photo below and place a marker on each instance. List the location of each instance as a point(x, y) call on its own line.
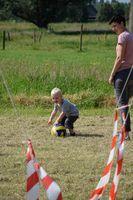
point(77, 26)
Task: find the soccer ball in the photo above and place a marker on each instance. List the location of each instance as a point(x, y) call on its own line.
point(58, 130)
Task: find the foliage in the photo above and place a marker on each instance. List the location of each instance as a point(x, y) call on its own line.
point(107, 10)
point(5, 11)
point(73, 13)
point(41, 12)
point(118, 8)
point(131, 17)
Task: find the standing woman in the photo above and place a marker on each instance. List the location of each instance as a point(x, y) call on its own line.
point(122, 72)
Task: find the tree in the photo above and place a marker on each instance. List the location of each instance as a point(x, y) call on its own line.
point(42, 12)
point(73, 13)
point(5, 12)
point(131, 17)
point(118, 8)
point(105, 12)
point(38, 12)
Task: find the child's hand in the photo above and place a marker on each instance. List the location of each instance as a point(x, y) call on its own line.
point(56, 123)
point(49, 122)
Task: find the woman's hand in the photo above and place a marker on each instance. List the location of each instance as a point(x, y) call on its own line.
point(111, 78)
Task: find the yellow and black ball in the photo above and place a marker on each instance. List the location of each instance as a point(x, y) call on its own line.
point(58, 130)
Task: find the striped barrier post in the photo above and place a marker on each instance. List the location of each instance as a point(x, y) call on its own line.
point(114, 186)
point(98, 192)
point(52, 189)
point(36, 174)
point(32, 188)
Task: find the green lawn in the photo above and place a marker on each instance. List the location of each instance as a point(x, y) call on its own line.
point(34, 68)
point(31, 69)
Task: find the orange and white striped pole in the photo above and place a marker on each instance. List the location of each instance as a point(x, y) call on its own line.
point(32, 187)
point(52, 189)
point(114, 186)
point(98, 192)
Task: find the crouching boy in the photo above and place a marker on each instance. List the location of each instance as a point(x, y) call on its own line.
point(68, 111)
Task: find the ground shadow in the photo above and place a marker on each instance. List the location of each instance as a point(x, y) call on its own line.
point(96, 32)
point(88, 135)
point(6, 154)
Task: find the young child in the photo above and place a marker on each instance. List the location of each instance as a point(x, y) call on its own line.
point(68, 111)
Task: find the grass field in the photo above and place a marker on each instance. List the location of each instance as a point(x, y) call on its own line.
point(31, 69)
point(76, 163)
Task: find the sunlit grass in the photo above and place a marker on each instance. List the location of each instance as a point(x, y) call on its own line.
point(32, 68)
point(77, 26)
point(13, 25)
point(75, 163)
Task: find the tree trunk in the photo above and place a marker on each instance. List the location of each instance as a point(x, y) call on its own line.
point(131, 17)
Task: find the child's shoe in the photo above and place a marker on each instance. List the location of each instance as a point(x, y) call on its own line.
point(72, 133)
point(127, 137)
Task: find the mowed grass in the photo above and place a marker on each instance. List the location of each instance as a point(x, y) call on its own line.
point(75, 163)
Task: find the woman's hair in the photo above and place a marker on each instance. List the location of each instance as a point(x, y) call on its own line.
point(56, 91)
point(118, 19)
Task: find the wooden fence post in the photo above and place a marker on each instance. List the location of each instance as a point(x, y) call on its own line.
point(40, 35)
point(81, 37)
point(34, 36)
point(4, 39)
point(8, 36)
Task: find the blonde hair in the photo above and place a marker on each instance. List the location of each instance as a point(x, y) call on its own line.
point(56, 91)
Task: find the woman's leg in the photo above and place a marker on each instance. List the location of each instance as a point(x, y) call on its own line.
point(122, 97)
